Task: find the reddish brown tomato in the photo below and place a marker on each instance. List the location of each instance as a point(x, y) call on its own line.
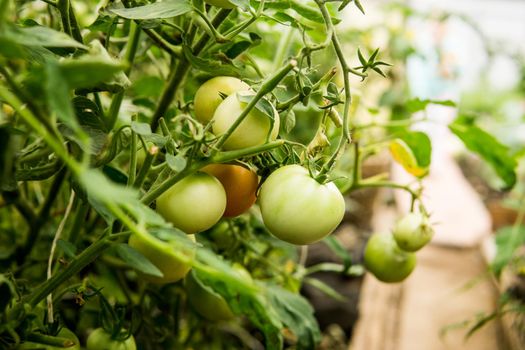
point(239, 183)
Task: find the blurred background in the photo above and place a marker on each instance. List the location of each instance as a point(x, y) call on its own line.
point(465, 291)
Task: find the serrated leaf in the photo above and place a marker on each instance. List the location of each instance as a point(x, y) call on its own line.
point(136, 260)
point(297, 314)
point(67, 248)
point(211, 66)
point(157, 10)
point(176, 163)
point(496, 154)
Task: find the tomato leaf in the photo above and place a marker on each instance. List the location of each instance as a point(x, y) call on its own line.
point(176, 163)
point(211, 66)
point(38, 36)
point(416, 104)
point(242, 295)
point(87, 71)
point(262, 105)
point(136, 260)
point(421, 146)
point(164, 9)
point(297, 314)
point(496, 154)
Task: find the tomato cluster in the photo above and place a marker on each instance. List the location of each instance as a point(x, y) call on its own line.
point(390, 257)
point(295, 207)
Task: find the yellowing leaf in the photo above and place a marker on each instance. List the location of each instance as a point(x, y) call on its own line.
point(403, 154)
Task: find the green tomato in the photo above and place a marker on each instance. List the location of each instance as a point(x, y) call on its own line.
point(253, 130)
point(208, 96)
point(172, 268)
point(63, 333)
point(386, 261)
point(205, 301)
point(193, 204)
point(297, 209)
point(99, 339)
point(225, 4)
point(413, 232)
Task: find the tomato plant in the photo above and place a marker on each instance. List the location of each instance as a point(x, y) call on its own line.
point(182, 204)
point(386, 261)
point(298, 209)
point(126, 128)
point(99, 339)
point(239, 183)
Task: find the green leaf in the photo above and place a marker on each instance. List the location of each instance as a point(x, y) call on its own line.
point(164, 9)
point(421, 146)
point(211, 66)
point(136, 260)
point(87, 71)
point(416, 104)
point(68, 248)
point(507, 241)
point(37, 36)
point(102, 189)
point(496, 154)
point(297, 314)
point(326, 289)
point(57, 92)
point(176, 163)
point(262, 105)
point(242, 294)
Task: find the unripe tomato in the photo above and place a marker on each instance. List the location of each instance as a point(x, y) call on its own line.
point(63, 333)
point(172, 268)
point(239, 183)
point(208, 96)
point(385, 260)
point(298, 209)
point(99, 339)
point(413, 232)
point(205, 301)
point(253, 130)
point(225, 4)
point(193, 204)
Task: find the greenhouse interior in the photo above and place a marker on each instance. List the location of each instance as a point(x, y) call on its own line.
point(262, 174)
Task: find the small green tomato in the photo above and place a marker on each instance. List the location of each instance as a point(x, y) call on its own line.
point(413, 232)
